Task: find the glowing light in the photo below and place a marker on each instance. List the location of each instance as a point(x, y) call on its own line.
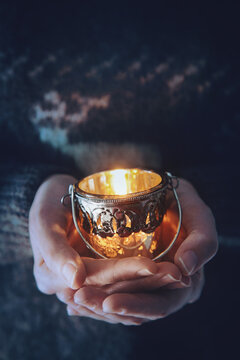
point(119, 182)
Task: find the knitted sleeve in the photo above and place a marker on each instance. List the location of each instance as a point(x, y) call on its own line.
point(18, 185)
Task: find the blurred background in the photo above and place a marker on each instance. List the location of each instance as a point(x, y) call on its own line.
point(82, 84)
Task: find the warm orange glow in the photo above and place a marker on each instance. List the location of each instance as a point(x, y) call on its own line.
point(137, 244)
point(120, 182)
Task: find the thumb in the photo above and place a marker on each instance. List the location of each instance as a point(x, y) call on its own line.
point(64, 261)
point(48, 226)
point(201, 243)
point(199, 247)
point(58, 255)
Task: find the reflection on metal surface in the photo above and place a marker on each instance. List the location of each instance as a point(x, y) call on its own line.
point(118, 213)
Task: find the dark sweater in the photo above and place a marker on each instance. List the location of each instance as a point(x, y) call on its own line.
point(88, 90)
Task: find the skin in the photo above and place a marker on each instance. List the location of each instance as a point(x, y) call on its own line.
point(130, 291)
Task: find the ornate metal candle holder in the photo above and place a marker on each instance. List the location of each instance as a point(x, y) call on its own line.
point(118, 213)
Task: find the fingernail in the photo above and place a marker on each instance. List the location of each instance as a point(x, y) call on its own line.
point(144, 272)
point(69, 272)
point(169, 278)
point(121, 311)
point(189, 261)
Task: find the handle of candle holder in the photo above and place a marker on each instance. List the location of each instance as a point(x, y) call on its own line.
point(71, 194)
point(89, 246)
point(171, 177)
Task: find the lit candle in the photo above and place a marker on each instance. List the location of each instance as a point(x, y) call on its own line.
point(119, 183)
point(119, 212)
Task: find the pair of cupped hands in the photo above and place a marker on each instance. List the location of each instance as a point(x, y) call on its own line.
point(129, 291)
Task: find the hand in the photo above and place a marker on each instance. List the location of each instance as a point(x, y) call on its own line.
point(198, 235)
point(88, 300)
point(136, 308)
point(57, 265)
point(49, 282)
point(201, 242)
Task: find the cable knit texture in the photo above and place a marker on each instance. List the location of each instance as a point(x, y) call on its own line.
point(18, 185)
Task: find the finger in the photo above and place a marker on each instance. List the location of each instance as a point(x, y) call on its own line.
point(133, 286)
point(186, 281)
point(71, 311)
point(199, 246)
point(102, 272)
point(84, 312)
point(90, 297)
point(110, 318)
point(150, 306)
point(66, 296)
point(47, 282)
point(201, 243)
point(168, 273)
point(198, 281)
point(48, 234)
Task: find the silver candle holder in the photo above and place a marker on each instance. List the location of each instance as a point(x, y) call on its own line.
point(118, 213)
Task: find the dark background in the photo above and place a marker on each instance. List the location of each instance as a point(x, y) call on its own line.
point(198, 138)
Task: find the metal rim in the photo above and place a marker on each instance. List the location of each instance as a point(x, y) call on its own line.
point(124, 198)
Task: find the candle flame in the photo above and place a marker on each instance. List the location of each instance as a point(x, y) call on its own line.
point(119, 182)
